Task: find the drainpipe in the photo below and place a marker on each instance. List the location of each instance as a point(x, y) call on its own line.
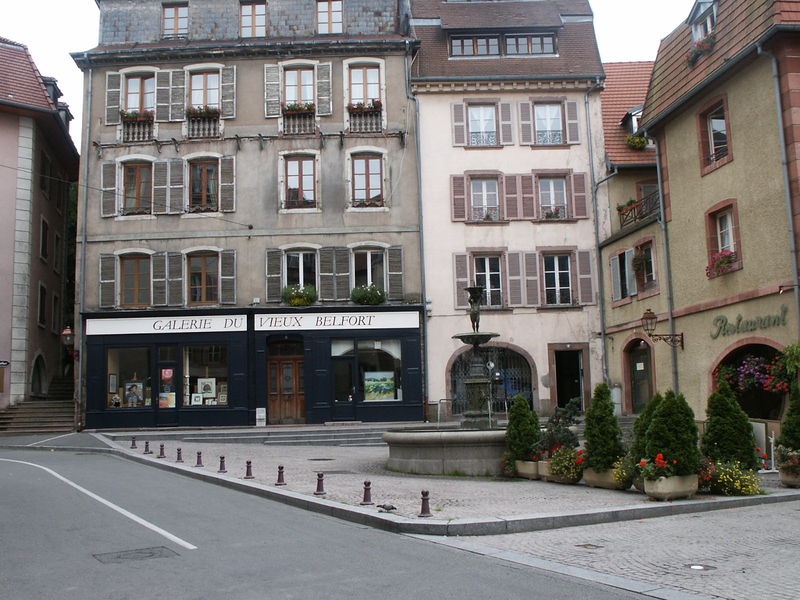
point(786, 185)
point(662, 221)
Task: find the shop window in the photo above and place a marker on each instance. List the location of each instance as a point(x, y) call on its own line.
point(253, 19)
point(379, 367)
point(127, 372)
point(206, 370)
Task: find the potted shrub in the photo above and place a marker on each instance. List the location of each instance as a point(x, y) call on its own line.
point(721, 263)
point(638, 449)
point(636, 142)
point(673, 459)
point(567, 465)
point(788, 450)
point(297, 295)
point(728, 434)
point(202, 111)
point(730, 478)
point(298, 107)
point(603, 440)
point(558, 433)
point(368, 294)
point(522, 436)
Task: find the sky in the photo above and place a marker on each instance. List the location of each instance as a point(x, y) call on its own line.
point(627, 30)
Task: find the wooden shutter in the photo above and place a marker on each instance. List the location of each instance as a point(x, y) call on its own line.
point(160, 187)
point(108, 183)
point(113, 98)
point(327, 281)
point(158, 270)
point(175, 279)
point(514, 263)
point(525, 124)
point(228, 92)
point(274, 274)
point(342, 273)
point(227, 188)
point(395, 260)
point(616, 286)
point(458, 197)
point(459, 124)
point(324, 103)
point(531, 264)
point(108, 281)
point(527, 185)
point(630, 274)
point(573, 129)
point(460, 279)
point(506, 124)
point(176, 184)
point(177, 96)
point(227, 277)
point(579, 196)
point(163, 81)
point(511, 197)
point(272, 91)
point(585, 284)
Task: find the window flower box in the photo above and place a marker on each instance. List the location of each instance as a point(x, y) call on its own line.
point(298, 108)
point(130, 116)
point(202, 111)
point(699, 48)
point(721, 263)
point(372, 105)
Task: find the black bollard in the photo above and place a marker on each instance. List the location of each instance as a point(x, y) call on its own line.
point(133, 442)
point(161, 451)
point(320, 484)
point(147, 447)
point(367, 494)
point(222, 465)
point(248, 472)
point(199, 459)
point(280, 476)
point(180, 456)
point(426, 505)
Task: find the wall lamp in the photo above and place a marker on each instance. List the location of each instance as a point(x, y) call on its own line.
point(68, 340)
point(784, 288)
point(649, 320)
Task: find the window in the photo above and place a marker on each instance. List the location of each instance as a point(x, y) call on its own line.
point(204, 185)
point(329, 16)
point(530, 44)
point(548, 124)
point(482, 124)
point(175, 20)
point(203, 271)
point(207, 375)
point(300, 182)
point(128, 378)
point(623, 276)
point(477, 46)
point(253, 19)
point(365, 85)
point(367, 180)
point(485, 200)
point(557, 279)
point(553, 197)
point(368, 268)
point(42, 306)
point(299, 86)
point(204, 89)
point(703, 19)
point(134, 280)
point(45, 172)
point(644, 267)
point(140, 93)
point(44, 241)
point(724, 228)
point(714, 133)
point(717, 134)
point(138, 188)
point(488, 276)
point(301, 268)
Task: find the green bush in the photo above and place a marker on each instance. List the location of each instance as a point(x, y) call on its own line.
point(556, 431)
point(624, 470)
point(368, 294)
point(295, 295)
point(790, 426)
point(673, 433)
point(730, 478)
point(522, 433)
point(638, 448)
point(568, 463)
point(603, 434)
point(728, 435)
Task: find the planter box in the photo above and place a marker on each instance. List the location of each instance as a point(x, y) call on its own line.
point(557, 479)
point(544, 470)
point(669, 488)
point(527, 469)
point(602, 479)
point(789, 480)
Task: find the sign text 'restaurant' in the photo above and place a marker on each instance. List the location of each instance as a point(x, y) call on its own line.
point(723, 327)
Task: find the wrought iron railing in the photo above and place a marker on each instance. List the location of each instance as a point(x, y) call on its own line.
point(639, 210)
point(485, 213)
point(203, 127)
point(550, 136)
point(554, 212)
point(137, 131)
point(366, 121)
point(297, 123)
point(488, 138)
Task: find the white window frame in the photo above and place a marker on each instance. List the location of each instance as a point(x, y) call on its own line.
point(348, 178)
point(704, 21)
point(485, 210)
point(301, 250)
point(551, 192)
point(558, 288)
point(372, 248)
point(723, 225)
point(487, 273)
point(480, 130)
point(282, 156)
point(258, 25)
point(363, 62)
point(548, 119)
point(330, 24)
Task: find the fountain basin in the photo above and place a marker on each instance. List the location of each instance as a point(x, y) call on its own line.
point(446, 452)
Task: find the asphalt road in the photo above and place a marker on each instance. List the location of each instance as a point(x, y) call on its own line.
point(101, 540)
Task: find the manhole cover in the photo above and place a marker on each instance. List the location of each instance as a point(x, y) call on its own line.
point(589, 546)
point(140, 554)
point(321, 459)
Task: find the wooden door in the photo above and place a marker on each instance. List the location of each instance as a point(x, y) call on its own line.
point(286, 393)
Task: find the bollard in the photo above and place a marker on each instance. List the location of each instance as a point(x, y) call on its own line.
point(367, 494)
point(199, 459)
point(180, 456)
point(426, 505)
point(248, 472)
point(280, 476)
point(320, 484)
point(133, 442)
point(147, 447)
point(161, 451)
point(222, 465)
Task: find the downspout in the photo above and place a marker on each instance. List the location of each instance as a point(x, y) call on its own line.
point(786, 181)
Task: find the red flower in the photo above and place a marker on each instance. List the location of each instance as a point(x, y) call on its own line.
point(579, 461)
point(642, 463)
point(758, 449)
point(580, 452)
point(764, 455)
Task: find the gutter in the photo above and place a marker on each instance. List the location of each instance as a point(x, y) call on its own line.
point(593, 76)
point(786, 180)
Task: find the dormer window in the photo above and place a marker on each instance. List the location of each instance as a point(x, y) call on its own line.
point(516, 44)
point(703, 19)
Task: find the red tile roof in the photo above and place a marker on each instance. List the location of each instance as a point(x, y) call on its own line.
point(740, 25)
point(20, 81)
point(625, 89)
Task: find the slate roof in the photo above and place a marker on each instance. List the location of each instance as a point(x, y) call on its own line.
point(20, 81)
point(740, 25)
point(625, 89)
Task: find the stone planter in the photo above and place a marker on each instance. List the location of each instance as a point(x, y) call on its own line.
point(527, 469)
point(669, 488)
point(602, 479)
point(638, 483)
point(557, 479)
point(544, 470)
point(788, 479)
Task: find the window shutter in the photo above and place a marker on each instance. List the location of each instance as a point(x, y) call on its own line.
point(163, 80)
point(324, 103)
point(461, 279)
point(274, 274)
point(525, 124)
point(342, 273)
point(108, 176)
point(531, 263)
point(458, 196)
point(108, 281)
point(113, 98)
point(227, 277)
point(511, 196)
point(585, 284)
point(175, 279)
point(579, 197)
point(176, 203)
point(158, 268)
point(395, 260)
point(616, 288)
point(527, 184)
point(327, 282)
point(227, 188)
point(272, 91)
point(573, 130)
point(459, 124)
point(506, 124)
point(630, 274)
point(160, 187)
point(514, 261)
point(228, 80)
point(177, 96)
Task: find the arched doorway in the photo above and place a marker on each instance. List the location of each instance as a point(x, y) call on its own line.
point(639, 371)
point(511, 374)
point(38, 379)
point(286, 399)
point(748, 370)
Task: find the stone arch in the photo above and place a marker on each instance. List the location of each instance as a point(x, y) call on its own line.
point(39, 379)
point(631, 344)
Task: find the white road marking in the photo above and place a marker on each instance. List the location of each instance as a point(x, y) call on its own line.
point(48, 439)
point(110, 505)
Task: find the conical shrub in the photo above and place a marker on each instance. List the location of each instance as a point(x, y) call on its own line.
point(522, 433)
point(673, 433)
point(790, 426)
point(638, 448)
point(602, 431)
point(728, 435)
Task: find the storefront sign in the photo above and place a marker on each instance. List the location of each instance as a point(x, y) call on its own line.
point(723, 327)
point(193, 324)
point(345, 321)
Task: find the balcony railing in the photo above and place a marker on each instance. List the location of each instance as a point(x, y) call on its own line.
point(203, 126)
point(485, 213)
point(297, 123)
point(137, 130)
point(639, 210)
point(554, 212)
point(549, 137)
point(487, 138)
point(367, 120)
